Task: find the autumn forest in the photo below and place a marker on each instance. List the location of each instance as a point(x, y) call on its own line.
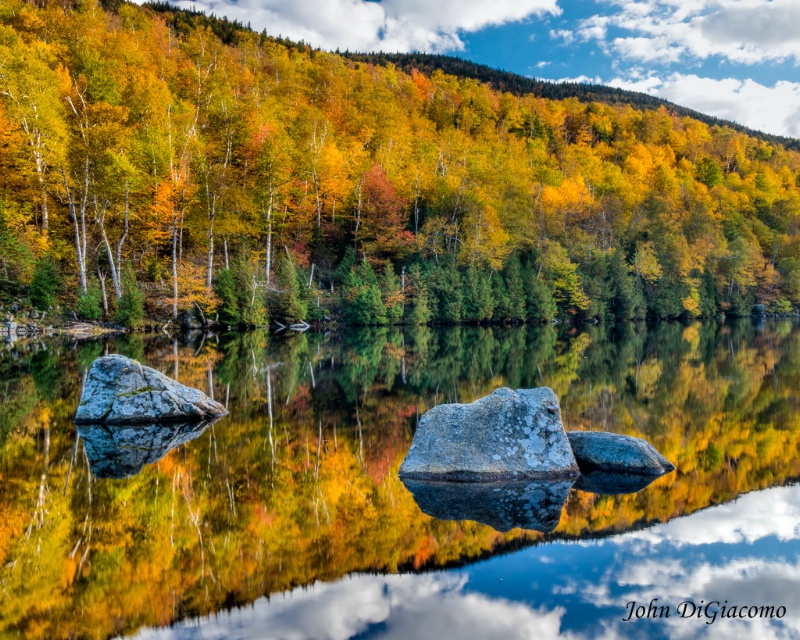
point(151, 169)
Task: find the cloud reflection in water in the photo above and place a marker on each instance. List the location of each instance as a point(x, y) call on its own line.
point(745, 552)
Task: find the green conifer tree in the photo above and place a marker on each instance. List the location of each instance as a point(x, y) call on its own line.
point(622, 305)
point(447, 293)
point(421, 310)
point(344, 272)
point(391, 294)
point(363, 296)
point(225, 289)
point(708, 295)
point(43, 289)
point(250, 300)
point(479, 302)
point(130, 310)
point(290, 307)
point(514, 291)
point(90, 305)
point(539, 301)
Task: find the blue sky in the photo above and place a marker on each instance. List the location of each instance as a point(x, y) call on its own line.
point(735, 59)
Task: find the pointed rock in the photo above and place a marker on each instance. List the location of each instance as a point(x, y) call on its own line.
point(508, 435)
point(119, 390)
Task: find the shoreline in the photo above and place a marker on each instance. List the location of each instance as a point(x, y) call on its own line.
point(28, 329)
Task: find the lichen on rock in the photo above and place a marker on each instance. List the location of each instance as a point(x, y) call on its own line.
point(506, 435)
point(119, 390)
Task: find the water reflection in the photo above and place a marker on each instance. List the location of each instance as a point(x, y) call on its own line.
point(733, 555)
point(299, 484)
point(532, 504)
point(120, 451)
point(612, 483)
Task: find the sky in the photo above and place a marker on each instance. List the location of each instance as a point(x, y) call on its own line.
point(734, 59)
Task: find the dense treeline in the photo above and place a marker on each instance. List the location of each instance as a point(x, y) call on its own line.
point(156, 164)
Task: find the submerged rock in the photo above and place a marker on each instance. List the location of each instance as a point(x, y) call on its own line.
point(119, 390)
point(602, 451)
point(506, 435)
point(120, 451)
point(528, 504)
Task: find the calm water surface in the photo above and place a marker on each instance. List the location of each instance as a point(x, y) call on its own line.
point(287, 520)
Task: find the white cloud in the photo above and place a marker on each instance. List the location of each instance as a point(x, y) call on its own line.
point(648, 49)
point(407, 606)
point(666, 31)
point(774, 109)
point(753, 516)
point(671, 564)
point(390, 25)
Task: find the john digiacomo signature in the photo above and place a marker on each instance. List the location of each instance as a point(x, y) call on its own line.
point(709, 612)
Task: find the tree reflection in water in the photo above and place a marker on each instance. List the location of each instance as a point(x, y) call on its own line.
point(298, 484)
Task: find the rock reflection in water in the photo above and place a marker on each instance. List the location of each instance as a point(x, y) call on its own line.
point(121, 451)
point(527, 504)
point(531, 504)
point(610, 483)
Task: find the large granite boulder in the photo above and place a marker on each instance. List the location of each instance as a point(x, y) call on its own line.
point(508, 435)
point(602, 451)
point(120, 451)
point(119, 390)
point(528, 504)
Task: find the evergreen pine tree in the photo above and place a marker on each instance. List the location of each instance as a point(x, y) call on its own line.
point(43, 289)
point(665, 297)
point(290, 307)
point(421, 312)
point(250, 301)
point(708, 295)
point(539, 301)
point(595, 282)
point(740, 305)
point(391, 294)
point(365, 306)
point(447, 293)
point(502, 309)
point(344, 271)
point(225, 289)
point(514, 291)
point(478, 300)
point(622, 304)
point(89, 306)
point(130, 310)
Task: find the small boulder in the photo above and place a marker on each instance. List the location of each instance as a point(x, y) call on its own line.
point(119, 390)
point(602, 451)
point(508, 435)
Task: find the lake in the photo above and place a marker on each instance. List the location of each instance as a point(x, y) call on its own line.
point(286, 519)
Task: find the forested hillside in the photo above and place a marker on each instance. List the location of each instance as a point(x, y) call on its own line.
point(554, 90)
point(150, 168)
